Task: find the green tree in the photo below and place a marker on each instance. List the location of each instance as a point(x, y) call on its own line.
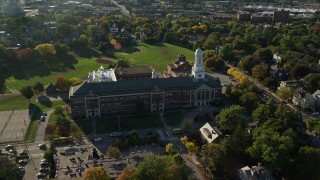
point(75, 81)
point(285, 93)
point(191, 147)
point(213, 158)
point(211, 42)
point(246, 64)
point(249, 100)
point(160, 167)
point(27, 92)
point(38, 87)
point(229, 118)
point(122, 63)
point(264, 54)
point(113, 151)
point(272, 148)
point(260, 71)
point(184, 140)
point(311, 82)
point(214, 63)
point(264, 111)
point(299, 71)
point(9, 169)
point(226, 53)
point(170, 149)
point(46, 49)
point(170, 37)
point(63, 30)
point(237, 143)
point(96, 173)
point(48, 155)
point(63, 125)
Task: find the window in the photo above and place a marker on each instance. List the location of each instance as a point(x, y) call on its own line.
point(199, 75)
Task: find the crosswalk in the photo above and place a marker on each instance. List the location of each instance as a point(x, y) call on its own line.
point(177, 144)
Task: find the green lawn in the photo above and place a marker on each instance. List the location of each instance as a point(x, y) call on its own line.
point(175, 118)
point(127, 123)
point(82, 68)
point(17, 102)
point(156, 56)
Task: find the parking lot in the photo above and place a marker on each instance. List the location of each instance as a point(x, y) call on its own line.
point(13, 125)
point(73, 161)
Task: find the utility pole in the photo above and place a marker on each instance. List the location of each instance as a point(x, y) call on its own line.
point(25, 143)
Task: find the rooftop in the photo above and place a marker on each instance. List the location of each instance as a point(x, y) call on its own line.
point(142, 85)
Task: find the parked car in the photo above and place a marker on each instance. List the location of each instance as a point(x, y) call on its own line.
point(115, 134)
point(97, 139)
point(9, 147)
point(23, 162)
point(42, 146)
point(42, 118)
point(316, 114)
point(44, 160)
point(40, 175)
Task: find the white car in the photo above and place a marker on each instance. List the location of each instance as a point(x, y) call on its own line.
point(115, 134)
point(315, 114)
point(97, 139)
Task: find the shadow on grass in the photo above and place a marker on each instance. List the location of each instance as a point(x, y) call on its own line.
point(87, 52)
point(28, 70)
point(45, 101)
point(34, 111)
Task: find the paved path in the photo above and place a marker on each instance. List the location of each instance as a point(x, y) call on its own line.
point(42, 128)
point(180, 148)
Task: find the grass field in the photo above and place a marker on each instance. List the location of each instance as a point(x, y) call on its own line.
point(82, 68)
point(156, 56)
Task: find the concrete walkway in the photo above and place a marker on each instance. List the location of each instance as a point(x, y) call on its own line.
point(42, 128)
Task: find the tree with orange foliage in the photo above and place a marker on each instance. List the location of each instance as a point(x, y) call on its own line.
point(62, 83)
point(96, 173)
point(128, 173)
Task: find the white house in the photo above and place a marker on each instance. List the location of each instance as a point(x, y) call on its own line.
point(210, 134)
point(254, 173)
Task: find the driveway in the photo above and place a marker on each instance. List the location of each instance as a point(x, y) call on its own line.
point(42, 128)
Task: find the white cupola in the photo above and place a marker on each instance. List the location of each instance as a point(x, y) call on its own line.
point(198, 71)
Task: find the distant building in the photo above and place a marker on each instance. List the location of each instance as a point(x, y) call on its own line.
point(98, 99)
point(244, 16)
point(179, 68)
point(281, 17)
point(303, 99)
point(254, 173)
point(114, 28)
point(210, 134)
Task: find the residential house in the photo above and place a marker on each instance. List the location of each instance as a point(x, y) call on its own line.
point(179, 68)
point(210, 134)
point(254, 173)
point(317, 96)
point(293, 84)
point(303, 99)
